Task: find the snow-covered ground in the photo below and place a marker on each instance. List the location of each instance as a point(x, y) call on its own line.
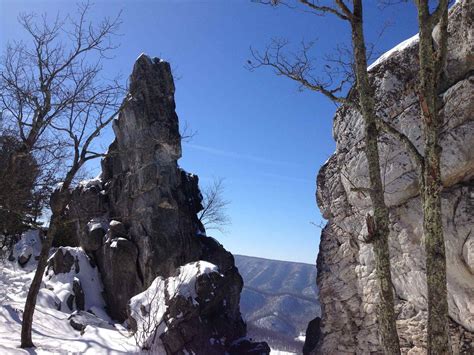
point(52, 333)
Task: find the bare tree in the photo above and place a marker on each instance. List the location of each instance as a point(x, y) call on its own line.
point(213, 215)
point(150, 318)
point(149, 321)
point(432, 56)
point(300, 69)
point(54, 95)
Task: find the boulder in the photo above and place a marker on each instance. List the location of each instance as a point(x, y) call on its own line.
point(73, 280)
point(191, 310)
point(28, 246)
point(117, 230)
point(62, 261)
point(245, 346)
point(117, 260)
point(80, 320)
point(94, 237)
point(25, 256)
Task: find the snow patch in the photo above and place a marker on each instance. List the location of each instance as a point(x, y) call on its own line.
point(52, 333)
point(29, 244)
point(301, 338)
point(398, 48)
point(149, 307)
point(97, 181)
point(61, 284)
point(280, 352)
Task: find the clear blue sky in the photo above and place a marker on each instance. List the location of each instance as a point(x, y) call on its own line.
point(256, 130)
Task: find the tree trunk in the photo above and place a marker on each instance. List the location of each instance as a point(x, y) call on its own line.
point(30, 304)
point(430, 70)
point(386, 312)
point(59, 201)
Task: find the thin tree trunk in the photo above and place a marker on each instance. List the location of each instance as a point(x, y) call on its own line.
point(30, 304)
point(59, 201)
point(430, 70)
point(386, 312)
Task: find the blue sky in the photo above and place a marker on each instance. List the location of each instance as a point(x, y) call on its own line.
point(256, 130)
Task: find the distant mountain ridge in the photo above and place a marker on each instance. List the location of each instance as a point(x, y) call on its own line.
point(278, 300)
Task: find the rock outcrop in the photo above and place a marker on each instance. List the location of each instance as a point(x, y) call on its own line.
point(138, 219)
point(73, 279)
point(178, 313)
point(346, 275)
point(27, 248)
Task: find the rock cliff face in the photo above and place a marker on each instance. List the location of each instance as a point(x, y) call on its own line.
point(138, 220)
point(346, 274)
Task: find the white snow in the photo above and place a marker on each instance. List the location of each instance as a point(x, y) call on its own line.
point(398, 48)
point(29, 244)
point(280, 352)
point(61, 284)
point(97, 181)
point(96, 223)
point(149, 307)
point(52, 333)
point(301, 338)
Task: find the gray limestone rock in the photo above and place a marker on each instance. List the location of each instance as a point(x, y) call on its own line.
point(92, 240)
point(117, 262)
point(79, 297)
point(346, 271)
point(24, 258)
point(62, 261)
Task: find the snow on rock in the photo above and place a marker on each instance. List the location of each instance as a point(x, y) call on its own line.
point(147, 309)
point(97, 181)
point(187, 313)
point(80, 320)
point(70, 273)
point(97, 223)
point(398, 48)
point(280, 352)
point(52, 332)
point(27, 247)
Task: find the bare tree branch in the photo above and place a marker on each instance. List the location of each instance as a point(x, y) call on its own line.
point(300, 69)
point(213, 215)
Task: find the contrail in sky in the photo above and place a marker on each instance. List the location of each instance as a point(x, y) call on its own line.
point(234, 155)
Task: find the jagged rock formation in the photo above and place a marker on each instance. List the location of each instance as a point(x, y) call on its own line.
point(346, 275)
point(138, 220)
point(185, 309)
